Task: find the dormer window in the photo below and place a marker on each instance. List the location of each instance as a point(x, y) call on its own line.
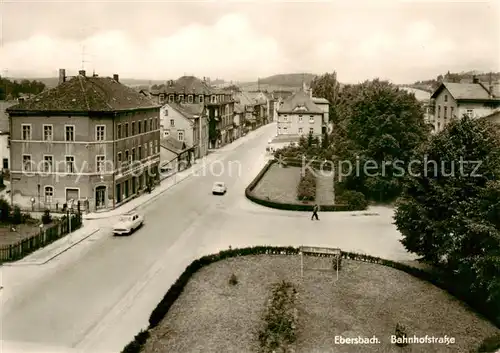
point(213, 99)
point(200, 98)
point(181, 98)
point(190, 98)
point(171, 98)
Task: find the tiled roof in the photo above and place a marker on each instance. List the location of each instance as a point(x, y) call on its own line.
point(257, 97)
point(459, 91)
point(299, 100)
point(242, 98)
point(4, 118)
point(172, 144)
point(84, 94)
point(189, 110)
point(494, 113)
point(189, 85)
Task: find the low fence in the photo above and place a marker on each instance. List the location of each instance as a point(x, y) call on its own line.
point(44, 237)
point(437, 278)
point(287, 206)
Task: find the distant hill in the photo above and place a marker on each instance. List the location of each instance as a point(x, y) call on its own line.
point(52, 82)
point(288, 80)
point(431, 85)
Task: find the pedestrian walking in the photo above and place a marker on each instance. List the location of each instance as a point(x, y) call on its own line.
point(315, 212)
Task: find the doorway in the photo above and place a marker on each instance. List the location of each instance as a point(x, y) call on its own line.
point(100, 197)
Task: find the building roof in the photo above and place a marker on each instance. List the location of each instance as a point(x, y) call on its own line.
point(300, 101)
point(317, 100)
point(173, 145)
point(189, 85)
point(464, 91)
point(86, 94)
point(243, 99)
point(493, 114)
point(4, 118)
point(257, 97)
point(191, 110)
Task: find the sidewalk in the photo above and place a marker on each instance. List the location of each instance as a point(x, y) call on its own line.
point(49, 252)
point(176, 178)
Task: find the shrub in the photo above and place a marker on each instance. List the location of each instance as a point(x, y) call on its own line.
point(46, 217)
point(17, 215)
point(306, 190)
point(354, 200)
point(400, 335)
point(5, 210)
point(233, 280)
point(490, 345)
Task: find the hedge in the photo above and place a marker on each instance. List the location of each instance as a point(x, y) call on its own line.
point(287, 206)
point(447, 283)
point(306, 189)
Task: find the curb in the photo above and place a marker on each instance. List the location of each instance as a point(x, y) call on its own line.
point(43, 262)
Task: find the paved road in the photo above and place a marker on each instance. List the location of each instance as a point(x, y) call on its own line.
point(98, 295)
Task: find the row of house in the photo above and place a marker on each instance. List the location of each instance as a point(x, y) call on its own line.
point(95, 139)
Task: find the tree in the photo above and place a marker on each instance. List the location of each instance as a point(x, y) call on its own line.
point(449, 212)
point(327, 86)
point(381, 124)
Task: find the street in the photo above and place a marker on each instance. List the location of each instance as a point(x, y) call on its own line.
point(97, 296)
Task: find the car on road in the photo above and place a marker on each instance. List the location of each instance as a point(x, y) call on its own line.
point(128, 223)
point(219, 188)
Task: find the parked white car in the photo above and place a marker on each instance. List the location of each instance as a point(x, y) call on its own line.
point(219, 188)
point(128, 223)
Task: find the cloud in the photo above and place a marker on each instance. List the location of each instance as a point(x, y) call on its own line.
point(229, 48)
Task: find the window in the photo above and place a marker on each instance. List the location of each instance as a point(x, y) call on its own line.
point(70, 164)
point(439, 111)
point(285, 118)
point(156, 146)
point(180, 135)
point(162, 97)
point(190, 98)
point(127, 156)
point(151, 148)
point(439, 126)
point(451, 112)
point(119, 131)
point(165, 112)
point(139, 152)
point(171, 98)
point(27, 165)
point(285, 129)
point(200, 98)
point(300, 118)
point(100, 132)
point(139, 126)
point(49, 194)
point(48, 132)
point(311, 130)
point(166, 133)
point(48, 164)
point(470, 113)
point(26, 131)
point(213, 99)
point(145, 125)
point(133, 128)
point(446, 98)
point(126, 130)
point(172, 122)
point(300, 130)
point(146, 149)
point(70, 132)
point(133, 155)
point(151, 124)
point(99, 164)
point(119, 157)
point(445, 112)
point(180, 98)
point(311, 120)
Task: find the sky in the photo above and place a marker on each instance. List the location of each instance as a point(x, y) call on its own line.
point(399, 40)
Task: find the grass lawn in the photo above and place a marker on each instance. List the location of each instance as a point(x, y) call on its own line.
point(23, 231)
point(279, 184)
point(213, 316)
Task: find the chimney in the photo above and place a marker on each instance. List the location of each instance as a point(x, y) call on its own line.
point(81, 73)
point(116, 77)
point(475, 79)
point(62, 76)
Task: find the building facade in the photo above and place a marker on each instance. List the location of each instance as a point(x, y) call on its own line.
point(90, 138)
point(300, 116)
point(187, 123)
point(454, 100)
point(219, 105)
point(5, 134)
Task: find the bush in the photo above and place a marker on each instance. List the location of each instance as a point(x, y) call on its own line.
point(233, 280)
point(46, 217)
point(17, 215)
point(400, 335)
point(354, 200)
point(490, 345)
point(306, 190)
point(5, 210)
